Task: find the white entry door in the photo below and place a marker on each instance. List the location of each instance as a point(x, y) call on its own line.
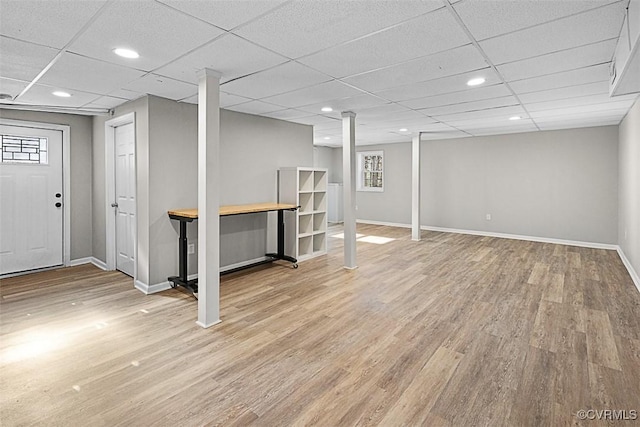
point(31, 199)
point(125, 162)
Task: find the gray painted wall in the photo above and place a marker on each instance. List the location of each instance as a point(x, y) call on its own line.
point(173, 181)
point(394, 203)
point(555, 184)
point(80, 142)
point(629, 187)
point(252, 149)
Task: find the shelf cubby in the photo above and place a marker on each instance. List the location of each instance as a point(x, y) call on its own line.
point(305, 181)
point(320, 201)
point(306, 202)
point(319, 181)
point(306, 224)
point(319, 221)
point(305, 246)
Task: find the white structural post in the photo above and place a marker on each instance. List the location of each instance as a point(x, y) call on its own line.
point(415, 188)
point(349, 185)
point(208, 198)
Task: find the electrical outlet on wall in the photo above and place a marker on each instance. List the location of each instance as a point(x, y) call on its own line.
point(191, 248)
point(488, 217)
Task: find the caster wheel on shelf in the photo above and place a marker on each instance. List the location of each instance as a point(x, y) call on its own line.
point(295, 265)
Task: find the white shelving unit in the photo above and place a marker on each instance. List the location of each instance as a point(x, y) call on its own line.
point(306, 229)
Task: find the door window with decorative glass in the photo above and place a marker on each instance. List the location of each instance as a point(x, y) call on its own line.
point(370, 171)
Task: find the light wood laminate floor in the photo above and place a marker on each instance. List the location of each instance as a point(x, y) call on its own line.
point(454, 330)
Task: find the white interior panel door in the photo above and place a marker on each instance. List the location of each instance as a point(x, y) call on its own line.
point(31, 199)
point(125, 198)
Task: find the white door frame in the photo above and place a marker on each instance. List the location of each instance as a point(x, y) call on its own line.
point(110, 187)
point(66, 178)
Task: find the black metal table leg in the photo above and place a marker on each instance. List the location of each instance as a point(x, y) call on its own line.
point(183, 277)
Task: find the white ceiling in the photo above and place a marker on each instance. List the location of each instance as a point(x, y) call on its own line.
point(396, 63)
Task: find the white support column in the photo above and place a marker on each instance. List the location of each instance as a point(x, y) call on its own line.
point(208, 198)
point(415, 188)
point(349, 185)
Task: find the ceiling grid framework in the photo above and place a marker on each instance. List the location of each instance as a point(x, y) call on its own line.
point(399, 64)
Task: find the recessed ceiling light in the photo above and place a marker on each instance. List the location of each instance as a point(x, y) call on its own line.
point(61, 94)
point(327, 137)
point(126, 53)
point(515, 118)
point(404, 130)
point(327, 109)
point(475, 82)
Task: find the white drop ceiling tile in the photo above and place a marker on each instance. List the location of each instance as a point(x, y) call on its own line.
point(353, 103)
point(319, 121)
point(583, 111)
point(125, 94)
point(484, 104)
point(255, 107)
point(589, 27)
point(42, 95)
point(566, 92)
point(22, 60)
point(106, 102)
point(435, 32)
point(507, 16)
point(89, 75)
point(593, 74)
point(305, 27)
point(380, 112)
point(455, 61)
point(330, 125)
point(229, 55)
point(602, 98)
point(434, 136)
point(158, 33)
point(570, 59)
point(11, 86)
point(283, 78)
point(226, 99)
point(46, 22)
point(225, 14)
point(502, 113)
point(579, 123)
point(501, 130)
point(288, 114)
point(162, 86)
point(463, 96)
point(314, 94)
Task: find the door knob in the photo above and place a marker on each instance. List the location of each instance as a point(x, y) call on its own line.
point(114, 205)
point(58, 204)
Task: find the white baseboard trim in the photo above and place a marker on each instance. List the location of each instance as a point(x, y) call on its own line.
point(202, 325)
point(79, 261)
point(152, 289)
point(98, 263)
point(630, 269)
point(521, 237)
point(499, 235)
point(88, 260)
point(158, 287)
point(388, 224)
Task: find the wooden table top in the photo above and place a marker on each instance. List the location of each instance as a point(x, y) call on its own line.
point(235, 209)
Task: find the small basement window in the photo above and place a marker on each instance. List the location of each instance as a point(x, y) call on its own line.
point(370, 171)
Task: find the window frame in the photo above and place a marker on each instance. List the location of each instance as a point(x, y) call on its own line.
point(360, 181)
